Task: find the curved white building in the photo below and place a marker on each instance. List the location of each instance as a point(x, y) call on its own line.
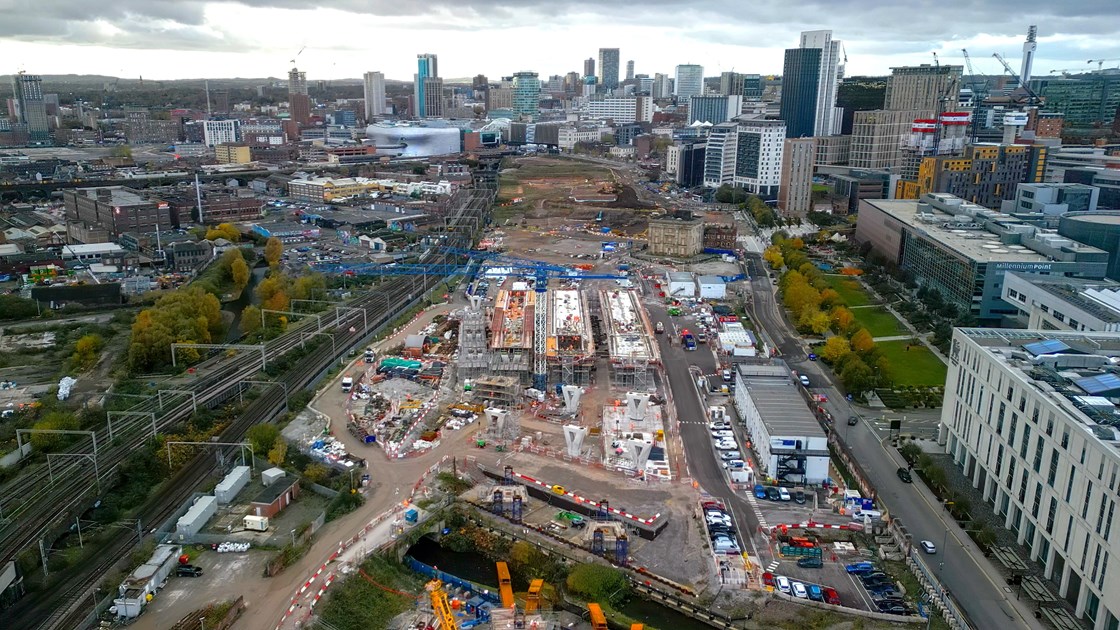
point(413, 141)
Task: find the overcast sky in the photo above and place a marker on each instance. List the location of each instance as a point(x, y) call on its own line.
point(175, 39)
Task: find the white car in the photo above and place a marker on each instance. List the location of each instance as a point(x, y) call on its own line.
point(726, 433)
point(729, 455)
point(719, 426)
point(799, 590)
point(727, 445)
point(784, 494)
point(929, 547)
point(782, 582)
point(735, 464)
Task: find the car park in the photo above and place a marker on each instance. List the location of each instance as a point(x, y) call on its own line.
point(784, 495)
point(799, 590)
point(928, 547)
point(783, 584)
point(811, 562)
point(904, 475)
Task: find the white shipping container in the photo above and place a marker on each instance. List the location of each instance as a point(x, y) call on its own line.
point(256, 523)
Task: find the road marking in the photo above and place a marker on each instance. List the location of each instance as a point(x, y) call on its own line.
point(772, 566)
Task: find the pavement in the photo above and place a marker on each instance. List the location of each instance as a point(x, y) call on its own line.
point(972, 580)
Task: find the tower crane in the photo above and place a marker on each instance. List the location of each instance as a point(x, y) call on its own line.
point(541, 272)
point(978, 95)
point(1032, 98)
point(1100, 62)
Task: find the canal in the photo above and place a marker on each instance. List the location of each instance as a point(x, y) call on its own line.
point(479, 569)
point(248, 296)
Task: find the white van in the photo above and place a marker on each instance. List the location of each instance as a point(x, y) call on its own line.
point(874, 515)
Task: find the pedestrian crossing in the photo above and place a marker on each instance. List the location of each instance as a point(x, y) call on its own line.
point(772, 566)
point(753, 500)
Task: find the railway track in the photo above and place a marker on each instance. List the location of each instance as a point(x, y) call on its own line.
point(50, 508)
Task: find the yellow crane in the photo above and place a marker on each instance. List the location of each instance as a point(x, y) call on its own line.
point(441, 606)
point(533, 599)
point(505, 585)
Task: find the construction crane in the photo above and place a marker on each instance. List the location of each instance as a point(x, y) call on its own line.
point(541, 272)
point(1032, 98)
point(1065, 71)
point(979, 94)
point(440, 605)
point(1100, 62)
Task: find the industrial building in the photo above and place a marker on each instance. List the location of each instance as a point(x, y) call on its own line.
point(1049, 303)
point(275, 497)
point(790, 443)
point(963, 250)
point(1099, 229)
point(681, 238)
point(1031, 418)
point(632, 351)
point(110, 210)
point(134, 592)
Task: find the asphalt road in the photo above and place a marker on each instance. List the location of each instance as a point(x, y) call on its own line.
point(969, 577)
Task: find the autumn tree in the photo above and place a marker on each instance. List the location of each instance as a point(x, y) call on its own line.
point(856, 376)
point(835, 349)
point(188, 315)
point(813, 320)
point(308, 286)
point(262, 436)
point(273, 293)
point(227, 231)
point(800, 296)
point(250, 320)
point(842, 318)
point(862, 341)
point(279, 451)
point(273, 249)
point(53, 421)
point(773, 255)
point(86, 351)
point(316, 473)
point(830, 298)
point(239, 271)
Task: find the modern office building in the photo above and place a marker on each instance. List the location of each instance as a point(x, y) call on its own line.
point(877, 137)
point(719, 156)
point(714, 108)
point(963, 250)
point(790, 443)
point(987, 174)
point(1052, 199)
point(662, 86)
point(234, 153)
point(689, 82)
point(923, 87)
point(1087, 102)
point(630, 70)
point(687, 158)
point(622, 109)
point(608, 68)
point(731, 83)
point(795, 195)
point(1107, 181)
point(849, 188)
point(373, 89)
point(589, 67)
point(752, 87)
point(1048, 303)
point(427, 67)
point(809, 83)
point(30, 107)
point(833, 150)
point(758, 156)
point(215, 132)
point(527, 95)
point(299, 103)
point(1031, 418)
point(1099, 229)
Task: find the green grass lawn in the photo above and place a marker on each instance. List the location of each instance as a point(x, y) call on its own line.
point(878, 321)
point(917, 366)
point(850, 290)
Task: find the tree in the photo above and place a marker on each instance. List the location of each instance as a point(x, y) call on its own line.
point(835, 349)
point(122, 151)
point(15, 307)
point(273, 249)
point(239, 271)
point(273, 293)
point(862, 341)
point(855, 374)
point(829, 298)
point(773, 255)
point(188, 315)
point(814, 321)
point(842, 318)
point(316, 473)
point(279, 451)
point(596, 582)
point(262, 437)
point(53, 421)
point(86, 351)
point(910, 452)
point(227, 231)
point(799, 297)
point(250, 320)
point(308, 286)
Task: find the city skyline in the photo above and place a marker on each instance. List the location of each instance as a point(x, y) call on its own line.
point(260, 38)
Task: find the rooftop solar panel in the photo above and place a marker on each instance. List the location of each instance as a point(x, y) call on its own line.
point(1048, 346)
point(1100, 384)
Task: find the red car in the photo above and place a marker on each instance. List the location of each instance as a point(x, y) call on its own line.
point(768, 579)
point(831, 596)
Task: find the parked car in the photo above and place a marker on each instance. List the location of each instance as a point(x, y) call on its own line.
point(928, 547)
point(188, 570)
point(784, 495)
point(860, 567)
point(804, 380)
point(726, 455)
point(659, 328)
point(726, 376)
point(799, 496)
point(783, 585)
point(734, 464)
point(904, 475)
point(831, 596)
point(768, 579)
point(773, 494)
point(726, 445)
point(760, 491)
point(815, 593)
point(724, 433)
point(811, 562)
point(799, 590)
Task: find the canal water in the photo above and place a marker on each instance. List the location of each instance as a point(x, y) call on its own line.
point(479, 569)
point(248, 296)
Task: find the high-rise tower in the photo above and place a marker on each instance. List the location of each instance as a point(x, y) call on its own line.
point(1029, 47)
point(299, 103)
point(815, 96)
point(31, 108)
point(608, 67)
point(374, 92)
point(424, 81)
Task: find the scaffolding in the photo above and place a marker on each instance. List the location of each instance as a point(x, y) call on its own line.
point(570, 349)
point(511, 332)
point(473, 360)
point(632, 351)
point(503, 392)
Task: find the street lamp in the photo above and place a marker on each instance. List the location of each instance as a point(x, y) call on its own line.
point(293, 532)
point(202, 623)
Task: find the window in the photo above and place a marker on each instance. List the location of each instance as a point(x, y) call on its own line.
point(1053, 468)
point(1023, 488)
point(1108, 520)
point(1065, 438)
point(1104, 569)
point(999, 419)
point(1050, 423)
point(1074, 324)
point(1050, 515)
point(1026, 442)
point(1037, 498)
point(1100, 512)
point(1069, 484)
point(1022, 403)
point(1010, 474)
point(1088, 497)
point(1069, 531)
point(1059, 316)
